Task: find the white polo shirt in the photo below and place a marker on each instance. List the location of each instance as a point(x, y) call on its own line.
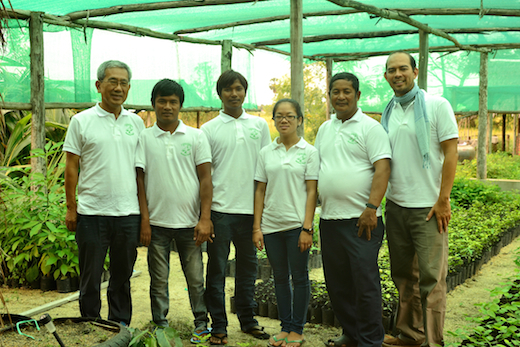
point(106, 146)
point(410, 184)
point(170, 161)
point(285, 173)
point(235, 144)
point(347, 152)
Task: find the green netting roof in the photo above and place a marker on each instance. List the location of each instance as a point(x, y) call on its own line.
point(71, 62)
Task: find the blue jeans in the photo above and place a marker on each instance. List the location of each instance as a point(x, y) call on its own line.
point(159, 267)
point(95, 235)
point(352, 278)
point(236, 228)
point(287, 261)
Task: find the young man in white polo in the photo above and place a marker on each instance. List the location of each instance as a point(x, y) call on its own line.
point(101, 141)
point(173, 164)
point(354, 169)
point(235, 138)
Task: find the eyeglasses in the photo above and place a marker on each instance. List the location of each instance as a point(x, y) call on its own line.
point(114, 82)
point(279, 118)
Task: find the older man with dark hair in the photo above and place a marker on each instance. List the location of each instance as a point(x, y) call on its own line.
point(101, 141)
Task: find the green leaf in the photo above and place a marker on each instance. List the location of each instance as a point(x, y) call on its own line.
point(35, 229)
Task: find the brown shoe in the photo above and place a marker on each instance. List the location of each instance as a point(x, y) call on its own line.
point(391, 341)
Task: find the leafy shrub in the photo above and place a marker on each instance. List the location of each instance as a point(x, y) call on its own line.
point(499, 165)
point(466, 192)
point(35, 239)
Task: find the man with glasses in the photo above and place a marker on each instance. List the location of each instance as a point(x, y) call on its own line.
point(102, 141)
point(354, 169)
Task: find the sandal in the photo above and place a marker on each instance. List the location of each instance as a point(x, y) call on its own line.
point(299, 342)
point(218, 339)
point(257, 332)
point(200, 336)
point(275, 339)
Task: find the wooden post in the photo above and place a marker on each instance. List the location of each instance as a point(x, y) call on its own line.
point(482, 117)
point(515, 131)
point(297, 91)
point(490, 135)
point(37, 91)
point(227, 54)
point(504, 123)
point(423, 60)
point(198, 119)
point(328, 64)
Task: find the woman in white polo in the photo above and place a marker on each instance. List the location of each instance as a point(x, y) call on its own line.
point(285, 199)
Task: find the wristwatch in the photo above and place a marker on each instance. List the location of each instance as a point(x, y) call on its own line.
point(369, 205)
point(308, 231)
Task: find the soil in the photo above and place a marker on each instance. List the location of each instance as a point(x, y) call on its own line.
point(460, 302)
point(72, 334)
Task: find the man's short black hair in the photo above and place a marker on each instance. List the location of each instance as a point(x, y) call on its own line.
point(228, 78)
point(167, 87)
point(345, 76)
point(294, 103)
point(413, 64)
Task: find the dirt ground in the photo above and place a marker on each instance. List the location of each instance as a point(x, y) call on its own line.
point(460, 302)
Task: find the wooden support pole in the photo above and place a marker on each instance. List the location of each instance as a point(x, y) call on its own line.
point(515, 131)
point(198, 119)
point(423, 60)
point(504, 123)
point(482, 117)
point(297, 87)
point(227, 54)
point(37, 91)
point(490, 135)
point(328, 63)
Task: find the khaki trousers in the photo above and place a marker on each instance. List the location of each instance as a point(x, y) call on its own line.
point(419, 265)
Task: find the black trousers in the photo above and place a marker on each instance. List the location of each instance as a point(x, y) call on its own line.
point(95, 235)
point(352, 278)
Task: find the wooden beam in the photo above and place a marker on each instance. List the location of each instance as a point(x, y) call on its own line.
point(423, 60)
point(490, 129)
point(395, 15)
point(363, 55)
point(297, 87)
point(84, 105)
point(409, 12)
point(482, 117)
point(38, 164)
point(374, 34)
point(227, 54)
point(107, 11)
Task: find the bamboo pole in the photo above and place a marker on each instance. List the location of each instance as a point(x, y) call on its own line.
point(101, 12)
point(328, 64)
point(490, 129)
point(504, 123)
point(482, 117)
point(423, 60)
point(38, 165)
point(297, 87)
point(390, 14)
point(227, 54)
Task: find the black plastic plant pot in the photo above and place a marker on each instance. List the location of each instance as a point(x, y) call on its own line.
point(47, 283)
point(64, 285)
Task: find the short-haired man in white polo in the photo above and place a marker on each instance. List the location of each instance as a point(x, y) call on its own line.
point(354, 170)
point(423, 134)
point(174, 187)
point(101, 141)
point(235, 138)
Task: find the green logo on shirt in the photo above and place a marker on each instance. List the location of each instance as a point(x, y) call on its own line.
point(301, 158)
point(255, 134)
point(129, 129)
point(186, 149)
point(354, 138)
